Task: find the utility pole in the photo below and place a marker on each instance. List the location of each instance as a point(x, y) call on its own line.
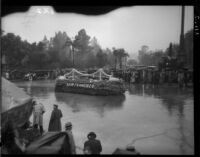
point(73, 56)
point(72, 44)
point(181, 53)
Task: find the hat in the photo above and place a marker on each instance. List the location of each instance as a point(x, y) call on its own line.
point(34, 100)
point(55, 105)
point(68, 125)
point(92, 134)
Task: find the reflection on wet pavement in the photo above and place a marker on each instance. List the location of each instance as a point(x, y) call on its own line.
point(143, 111)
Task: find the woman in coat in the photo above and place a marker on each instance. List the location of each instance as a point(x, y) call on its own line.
point(55, 123)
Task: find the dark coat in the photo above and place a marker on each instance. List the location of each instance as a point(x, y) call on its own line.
point(13, 149)
point(55, 123)
point(94, 146)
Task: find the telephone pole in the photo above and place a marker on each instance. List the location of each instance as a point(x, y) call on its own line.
point(181, 53)
point(73, 55)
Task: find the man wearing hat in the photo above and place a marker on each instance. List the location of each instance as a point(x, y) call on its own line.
point(68, 129)
point(55, 123)
point(93, 144)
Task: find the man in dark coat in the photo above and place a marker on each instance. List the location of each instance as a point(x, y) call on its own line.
point(68, 129)
point(93, 144)
point(55, 123)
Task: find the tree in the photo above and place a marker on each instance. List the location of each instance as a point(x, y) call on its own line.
point(142, 55)
point(119, 55)
point(91, 60)
point(81, 47)
point(170, 50)
point(81, 41)
point(156, 56)
point(2, 32)
point(14, 49)
point(148, 57)
point(131, 62)
point(27, 50)
point(101, 59)
point(57, 52)
point(110, 58)
point(60, 45)
point(95, 47)
point(46, 43)
point(38, 59)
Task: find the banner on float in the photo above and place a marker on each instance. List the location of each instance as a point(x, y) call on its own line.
point(85, 85)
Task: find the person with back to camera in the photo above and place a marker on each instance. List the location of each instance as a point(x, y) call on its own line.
point(68, 129)
point(92, 145)
point(55, 122)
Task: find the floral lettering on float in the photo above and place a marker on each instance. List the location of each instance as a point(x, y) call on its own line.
point(80, 85)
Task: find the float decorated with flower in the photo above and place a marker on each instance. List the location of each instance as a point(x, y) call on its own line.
point(97, 83)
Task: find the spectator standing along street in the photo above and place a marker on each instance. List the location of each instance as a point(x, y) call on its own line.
point(68, 129)
point(93, 144)
point(55, 123)
point(38, 111)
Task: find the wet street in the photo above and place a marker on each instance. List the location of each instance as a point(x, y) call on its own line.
point(158, 119)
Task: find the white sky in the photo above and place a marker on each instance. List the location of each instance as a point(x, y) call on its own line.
point(127, 27)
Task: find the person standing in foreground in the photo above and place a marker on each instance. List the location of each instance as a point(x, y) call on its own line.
point(93, 144)
point(38, 111)
point(55, 123)
point(68, 129)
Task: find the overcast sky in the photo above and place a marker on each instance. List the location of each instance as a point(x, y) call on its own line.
point(127, 27)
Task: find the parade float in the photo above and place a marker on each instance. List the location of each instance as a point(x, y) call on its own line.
point(97, 83)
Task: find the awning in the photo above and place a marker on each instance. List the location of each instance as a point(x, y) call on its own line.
point(16, 104)
point(50, 143)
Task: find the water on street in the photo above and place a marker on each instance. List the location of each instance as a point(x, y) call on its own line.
point(160, 118)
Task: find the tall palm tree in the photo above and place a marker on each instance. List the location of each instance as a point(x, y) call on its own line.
point(119, 55)
point(70, 42)
point(115, 53)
